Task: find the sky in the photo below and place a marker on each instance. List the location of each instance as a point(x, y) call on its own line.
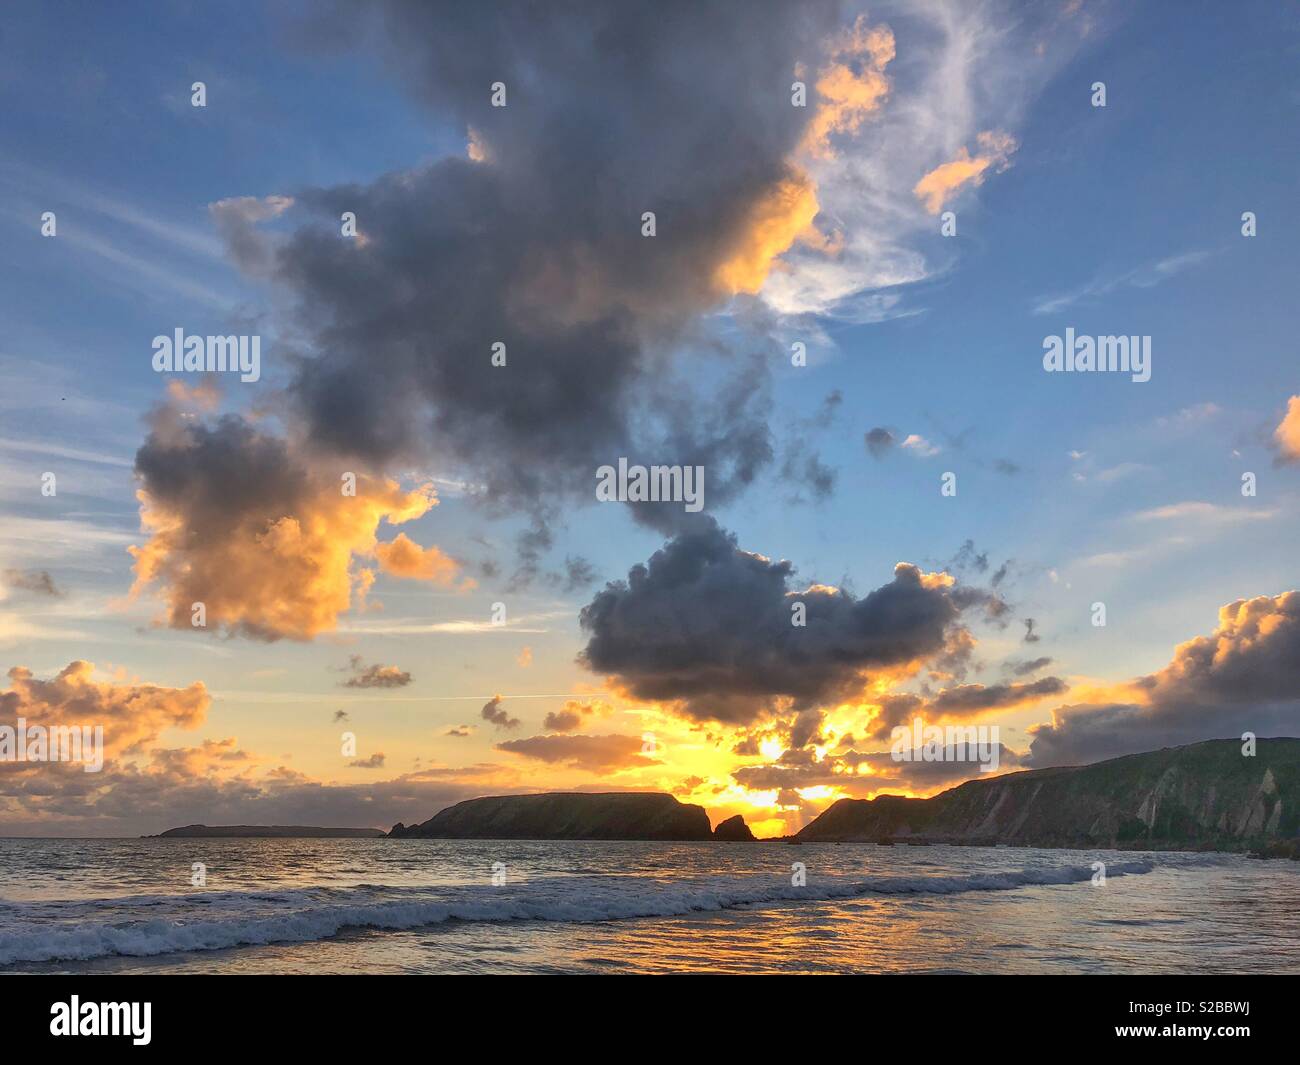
point(867, 222)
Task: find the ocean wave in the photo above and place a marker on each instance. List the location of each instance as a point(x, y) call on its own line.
point(313, 914)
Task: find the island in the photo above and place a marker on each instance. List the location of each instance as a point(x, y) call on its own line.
point(267, 832)
point(619, 815)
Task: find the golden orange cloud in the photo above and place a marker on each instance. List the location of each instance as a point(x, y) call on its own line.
point(131, 714)
point(402, 557)
point(776, 221)
point(1287, 434)
point(280, 570)
point(851, 86)
point(939, 184)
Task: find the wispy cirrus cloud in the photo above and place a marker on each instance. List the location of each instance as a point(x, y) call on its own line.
point(1147, 276)
point(1203, 513)
point(957, 82)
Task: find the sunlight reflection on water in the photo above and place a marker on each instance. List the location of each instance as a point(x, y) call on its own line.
point(384, 906)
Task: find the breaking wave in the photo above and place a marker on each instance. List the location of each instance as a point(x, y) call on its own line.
point(84, 929)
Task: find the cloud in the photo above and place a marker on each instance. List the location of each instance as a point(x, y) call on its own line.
point(571, 715)
point(375, 676)
point(1102, 285)
point(968, 699)
point(1243, 677)
point(492, 711)
point(236, 222)
point(402, 557)
point(593, 753)
point(241, 521)
point(578, 573)
point(1193, 511)
point(37, 581)
point(207, 784)
point(375, 761)
point(1190, 417)
point(963, 69)
point(879, 441)
point(1287, 434)
point(851, 86)
point(1022, 669)
point(856, 774)
point(708, 627)
point(540, 235)
point(132, 715)
point(896, 708)
point(146, 788)
point(919, 445)
point(460, 731)
point(938, 186)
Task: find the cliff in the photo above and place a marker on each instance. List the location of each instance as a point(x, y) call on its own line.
point(1202, 796)
point(561, 815)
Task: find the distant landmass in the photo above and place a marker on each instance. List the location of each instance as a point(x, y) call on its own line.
point(1203, 796)
point(568, 815)
point(268, 831)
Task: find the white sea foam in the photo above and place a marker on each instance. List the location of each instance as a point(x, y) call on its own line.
point(96, 928)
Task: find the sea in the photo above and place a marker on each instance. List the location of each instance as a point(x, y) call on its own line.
point(487, 906)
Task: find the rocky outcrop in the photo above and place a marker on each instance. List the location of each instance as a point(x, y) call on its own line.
point(268, 832)
point(566, 815)
point(734, 830)
point(1203, 796)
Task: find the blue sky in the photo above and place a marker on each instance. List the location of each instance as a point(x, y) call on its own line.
point(1117, 220)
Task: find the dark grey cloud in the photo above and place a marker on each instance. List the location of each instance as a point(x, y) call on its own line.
point(806, 727)
point(968, 558)
point(375, 761)
point(569, 717)
point(879, 441)
point(709, 625)
point(1244, 677)
point(975, 698)
point(494, 712)
point(802, 465)
point(561, 721)
point(578, 573)
point(583, 752)
point(37, 581)
point(895, 709)
point(1023, 669)
point(540, 246)
point(804, 468)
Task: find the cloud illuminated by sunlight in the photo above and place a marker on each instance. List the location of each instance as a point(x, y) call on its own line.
point(936, 187)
